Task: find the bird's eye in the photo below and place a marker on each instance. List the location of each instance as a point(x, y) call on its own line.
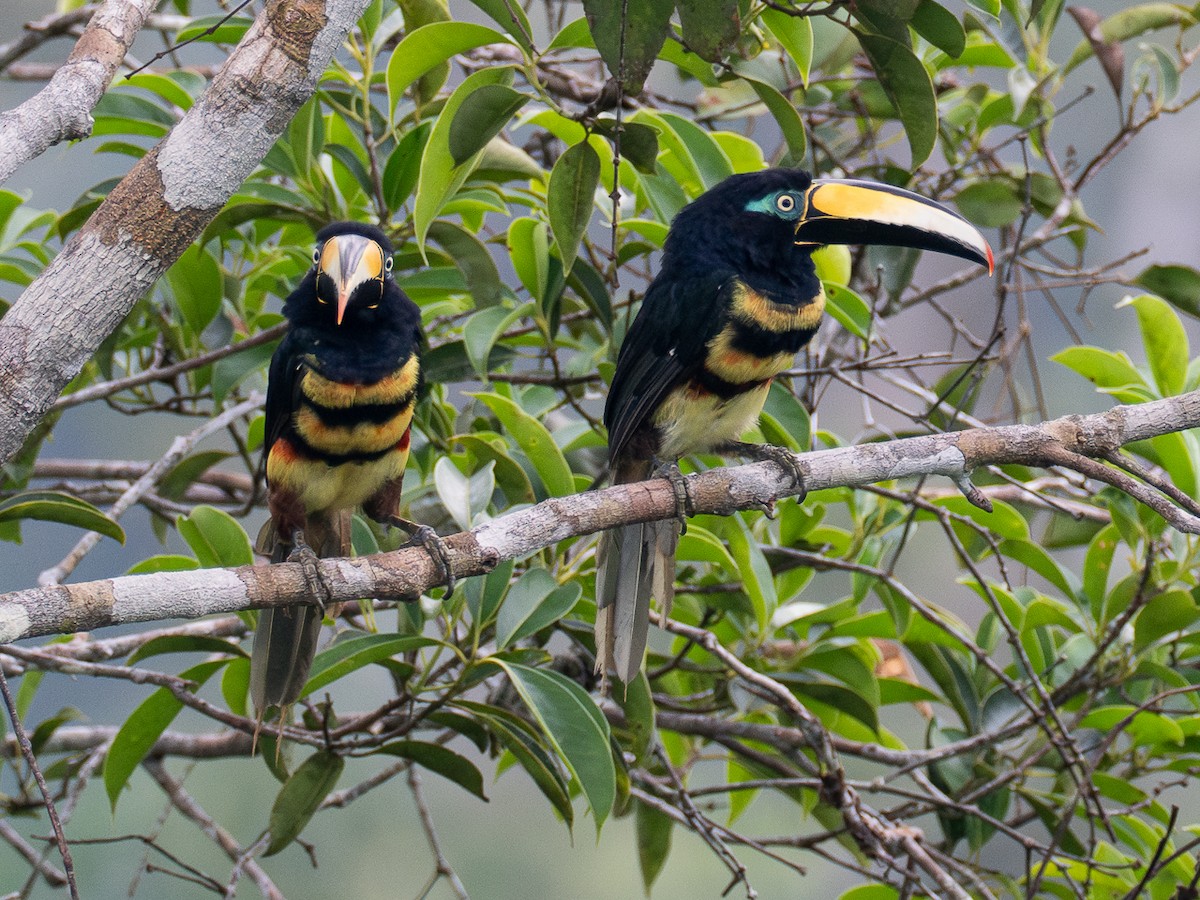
point(387, 264)
point(785, 203)
point(317, 255)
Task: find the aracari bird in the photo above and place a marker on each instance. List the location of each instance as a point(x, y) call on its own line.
point(736, 296)
point(340, 396)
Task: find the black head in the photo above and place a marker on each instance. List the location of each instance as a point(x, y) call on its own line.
point(768, 223)
point(350, 279)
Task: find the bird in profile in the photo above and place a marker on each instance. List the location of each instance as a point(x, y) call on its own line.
point(736, 296)
point(340, 396)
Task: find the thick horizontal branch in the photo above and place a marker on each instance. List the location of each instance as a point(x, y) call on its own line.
point(405, 574)
point(161, 206)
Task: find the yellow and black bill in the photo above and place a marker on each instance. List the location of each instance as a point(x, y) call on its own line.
point(350, 261)
point(849, 211)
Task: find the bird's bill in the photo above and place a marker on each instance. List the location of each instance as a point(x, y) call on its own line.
point(350, 260)
point(848, 211)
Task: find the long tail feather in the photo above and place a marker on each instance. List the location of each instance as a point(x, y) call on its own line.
point(634, 564)
point(285, 641)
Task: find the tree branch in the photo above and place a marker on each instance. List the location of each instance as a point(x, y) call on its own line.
point(404, 574)
point(161, 206)
point(62, 110)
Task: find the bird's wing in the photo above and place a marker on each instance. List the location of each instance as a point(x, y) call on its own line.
point(283, 390)
point(664, 346)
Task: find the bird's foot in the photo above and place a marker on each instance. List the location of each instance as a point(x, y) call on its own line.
point(781, 456)
point(684, 508)
point(304, 555)
point(427, 538)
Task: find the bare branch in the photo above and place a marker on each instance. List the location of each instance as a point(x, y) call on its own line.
point(62, 110)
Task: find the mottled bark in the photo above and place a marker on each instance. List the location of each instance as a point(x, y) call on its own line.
point(161, 206)
point(1073, 442)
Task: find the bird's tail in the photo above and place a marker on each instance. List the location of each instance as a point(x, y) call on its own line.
point(633, 564)
point(285, 640)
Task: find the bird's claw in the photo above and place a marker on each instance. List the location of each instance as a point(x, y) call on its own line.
point(684, 508)
point(781, 456)
point(426, 538)
point(307, 559)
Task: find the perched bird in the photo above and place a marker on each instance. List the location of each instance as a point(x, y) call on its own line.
point(340, 397)
point(735, 297)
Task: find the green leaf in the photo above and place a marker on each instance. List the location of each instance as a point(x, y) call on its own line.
point(992, 203)
point(472, 259)
point(164, 562)
point(570, 198)
point(850, 310)
point(346, 656)
point(1178, 285)
point(183, 643)
point(1165, 340)
point(511, 17)
point(1104, 368)
point(431, 45)
point(481, 117)
point(515, 734)
point(439, 177)
point(786, 116)
point(1165, 614)
point(198, 287)
point(144, 726)
point(54, 506)
point(482, 330)
point(404, 166)
point(214, 29)
point(533, 602)
point(906, 82)
point(536, 441)
point(709, 28)
point(1132, 22)
point(940, 27)
point(441, 760)
point(301, 796)
point(653, 842)
point(215, 537)
point(1032, 555)
point(753, 569)
point(795, 35)
point(629, 52)
point(574, 726)
point(639, 142)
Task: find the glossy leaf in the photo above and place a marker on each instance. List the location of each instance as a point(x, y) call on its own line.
point(1178, 285)
point(431, 45)
point(629, 47)
point(480, 117)
point(1165, 340)
point(439, 759)
point(346, 656)
point(301, 796)
point(145, 725)
point(439, 176)
point(907, 84)
point(576, 728)
point(533, 602)
point(570, 198)
point(215, 537)
point(533, 438)
point(54, 506)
